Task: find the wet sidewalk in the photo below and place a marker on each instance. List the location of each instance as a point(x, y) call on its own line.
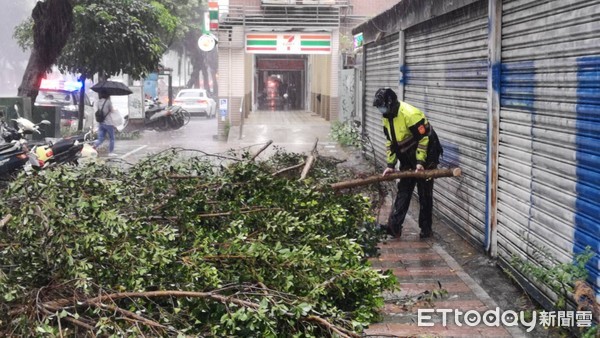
point(430, 278)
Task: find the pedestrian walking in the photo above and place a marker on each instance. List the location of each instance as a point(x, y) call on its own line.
point(107, 125)
point(410, 140)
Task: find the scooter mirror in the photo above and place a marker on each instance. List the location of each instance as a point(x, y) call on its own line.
point(45, 122)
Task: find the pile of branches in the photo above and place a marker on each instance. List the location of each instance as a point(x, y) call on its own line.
point(180, 245)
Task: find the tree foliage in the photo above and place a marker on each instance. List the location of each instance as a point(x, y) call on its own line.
point(113, 37)
point(105, 37)
point(183, 246)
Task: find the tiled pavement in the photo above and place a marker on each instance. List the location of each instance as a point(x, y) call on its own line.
point(422, 266)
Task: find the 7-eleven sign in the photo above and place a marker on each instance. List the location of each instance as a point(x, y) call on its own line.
point(288, 43)
point(213, 12)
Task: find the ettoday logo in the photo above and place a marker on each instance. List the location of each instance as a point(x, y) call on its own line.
point(507, 318)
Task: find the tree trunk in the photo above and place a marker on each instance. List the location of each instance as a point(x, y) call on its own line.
point(204, 71)
point(34, 72)
point(212, 59)
point(194, 81)
point(198, 66)
point(52, 25)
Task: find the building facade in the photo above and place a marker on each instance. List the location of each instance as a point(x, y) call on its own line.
point(512, 88)
point(285, 54)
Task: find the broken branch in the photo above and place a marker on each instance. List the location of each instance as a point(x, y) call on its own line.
point(342, 332)
point(426, 174)
point(309, 161)
point(284, 170)
point(261, 150)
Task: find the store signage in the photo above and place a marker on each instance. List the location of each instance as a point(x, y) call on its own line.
point(287, 43)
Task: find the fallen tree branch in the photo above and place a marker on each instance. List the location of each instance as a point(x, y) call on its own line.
point(217, 214)
point(309, 161)
point(261, 150)
point(435, 173)
point(339, 330)
point(60, 304)
point(74, 321)
point(5, 220)
point(285, 170)
point(334, 278)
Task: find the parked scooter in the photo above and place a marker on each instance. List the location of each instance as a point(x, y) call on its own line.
point(163, 118)
point(68, 150)
point(14, 153)
point(13, 156)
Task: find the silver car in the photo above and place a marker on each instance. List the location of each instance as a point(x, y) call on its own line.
point(196, 102)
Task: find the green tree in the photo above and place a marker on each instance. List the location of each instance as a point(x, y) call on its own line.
point(113, 37)
point(185, 42)
point(105, 37)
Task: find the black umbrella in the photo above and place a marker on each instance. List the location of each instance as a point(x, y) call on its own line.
point(111, 88)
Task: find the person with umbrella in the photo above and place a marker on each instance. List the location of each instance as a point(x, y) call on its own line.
point(108, 125)
point(112, 119)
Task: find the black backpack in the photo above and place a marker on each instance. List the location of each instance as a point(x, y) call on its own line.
point(100, 117)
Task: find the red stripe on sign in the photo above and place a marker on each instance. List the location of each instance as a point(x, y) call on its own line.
point(316, 49)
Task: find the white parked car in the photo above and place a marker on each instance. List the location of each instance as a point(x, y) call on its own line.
point(196, 102)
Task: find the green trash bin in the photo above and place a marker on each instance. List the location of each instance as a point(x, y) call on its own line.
point(51, 114)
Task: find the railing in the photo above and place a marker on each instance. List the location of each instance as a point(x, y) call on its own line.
point(279, 16)
point(307, 3)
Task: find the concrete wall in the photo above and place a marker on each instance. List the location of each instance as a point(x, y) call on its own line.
point(320, 90)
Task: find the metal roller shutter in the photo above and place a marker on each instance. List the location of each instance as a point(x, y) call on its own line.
point(382, 70)
point(549, 159)
point(446, 77)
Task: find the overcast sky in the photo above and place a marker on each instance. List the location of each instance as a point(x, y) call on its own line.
point(12, 59)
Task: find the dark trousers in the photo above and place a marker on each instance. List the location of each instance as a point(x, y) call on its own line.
point(402, 202)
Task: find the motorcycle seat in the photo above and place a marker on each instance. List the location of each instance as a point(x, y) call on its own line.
point(9, 148)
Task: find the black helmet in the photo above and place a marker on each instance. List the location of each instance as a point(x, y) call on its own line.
point(385, 97)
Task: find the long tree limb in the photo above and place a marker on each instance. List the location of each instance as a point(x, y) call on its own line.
point(310, 161)
point(130, 314)
point(261, 150)
point(435, 173)
point(69, 319)
point(339, 330)
point(217, 214)
point(59, 304)
point(285, 170)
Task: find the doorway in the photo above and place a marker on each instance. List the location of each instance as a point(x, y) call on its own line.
point(280, 82)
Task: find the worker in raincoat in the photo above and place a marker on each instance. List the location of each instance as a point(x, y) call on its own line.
point(411, 141)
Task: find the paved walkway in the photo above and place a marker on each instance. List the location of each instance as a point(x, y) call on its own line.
point(294, 130)
point(429, 278)
point(421, 266)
